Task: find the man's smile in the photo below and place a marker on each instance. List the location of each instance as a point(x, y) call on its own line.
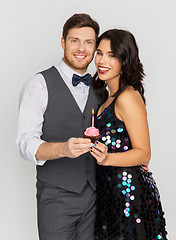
point(80, 56)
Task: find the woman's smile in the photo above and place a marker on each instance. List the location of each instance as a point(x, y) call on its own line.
point(103, 70)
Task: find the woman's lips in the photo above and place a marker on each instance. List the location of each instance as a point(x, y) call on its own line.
point(103, 70)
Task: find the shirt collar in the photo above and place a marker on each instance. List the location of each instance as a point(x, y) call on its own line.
point(67, 71)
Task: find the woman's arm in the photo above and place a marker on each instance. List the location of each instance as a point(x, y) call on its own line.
point(129, 107)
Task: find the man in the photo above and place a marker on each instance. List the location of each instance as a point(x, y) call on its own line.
point(55, 109)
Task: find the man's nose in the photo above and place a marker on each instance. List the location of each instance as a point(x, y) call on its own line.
point(81, 46)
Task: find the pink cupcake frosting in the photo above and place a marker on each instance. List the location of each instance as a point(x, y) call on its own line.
point(92, 131)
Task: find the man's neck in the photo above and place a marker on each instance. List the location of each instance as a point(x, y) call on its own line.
point(79, 71)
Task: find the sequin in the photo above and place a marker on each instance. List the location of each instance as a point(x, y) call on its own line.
point(127, 199)
point(132, 188)
point(124, 178)
point(138, 220)
point(118, 141)
point(104, 227)
point(132, 197)
point(104, 138)
point(117, 145)
point(124, 192)
point(113, 143)
point(124, 183)
point(127, 214)
point(126, 210)
point(127, 204)
point(159, 237)
point(120, 130)
point(113, 131)
point(129, 176)
point(119, 175)
point(119, 185)
point(108, 124)
point(128, 190)
point(129, 181)
point(124, 173)
point(108, 137)
point(125, 148)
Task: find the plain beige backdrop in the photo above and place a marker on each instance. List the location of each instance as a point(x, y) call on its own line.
point(30, 33)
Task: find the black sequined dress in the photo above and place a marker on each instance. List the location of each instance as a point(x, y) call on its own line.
point(128, 201)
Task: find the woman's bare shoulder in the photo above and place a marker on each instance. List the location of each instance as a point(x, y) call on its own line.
point(130, 102)
point(130, 97)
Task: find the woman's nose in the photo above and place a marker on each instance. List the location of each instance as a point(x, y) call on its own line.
point(103, 59)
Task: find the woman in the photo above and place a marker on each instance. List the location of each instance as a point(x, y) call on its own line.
point(128, 201)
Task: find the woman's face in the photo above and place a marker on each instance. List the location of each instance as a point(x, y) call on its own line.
point(107, 65)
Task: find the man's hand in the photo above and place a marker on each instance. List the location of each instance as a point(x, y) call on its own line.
point(75, 147)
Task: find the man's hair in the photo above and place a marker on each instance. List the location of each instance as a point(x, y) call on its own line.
point(80, 20)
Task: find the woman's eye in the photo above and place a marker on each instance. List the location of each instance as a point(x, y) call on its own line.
point(99, 53)
point(74, 40)
point(111, 55)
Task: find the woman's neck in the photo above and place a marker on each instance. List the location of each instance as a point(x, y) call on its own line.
point(113, 86)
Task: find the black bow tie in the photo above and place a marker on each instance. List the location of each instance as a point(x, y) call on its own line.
point(86, 79)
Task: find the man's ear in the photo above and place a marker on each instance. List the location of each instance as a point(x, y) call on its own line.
point(62, 42)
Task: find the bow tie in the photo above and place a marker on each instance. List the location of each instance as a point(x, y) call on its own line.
point(86, 79)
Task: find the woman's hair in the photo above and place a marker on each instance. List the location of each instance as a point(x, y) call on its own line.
point(80, 20)
point(124, 48)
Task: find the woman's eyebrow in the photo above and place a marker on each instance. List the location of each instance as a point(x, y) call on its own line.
point(101, 51)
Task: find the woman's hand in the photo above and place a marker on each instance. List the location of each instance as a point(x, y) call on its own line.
point(99, 151)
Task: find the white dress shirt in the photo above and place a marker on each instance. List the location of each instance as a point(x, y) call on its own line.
point(32, 105)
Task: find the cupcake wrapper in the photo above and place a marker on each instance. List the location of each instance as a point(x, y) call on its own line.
point(92, 138)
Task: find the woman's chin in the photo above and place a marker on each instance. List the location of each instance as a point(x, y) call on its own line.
point(102, 78)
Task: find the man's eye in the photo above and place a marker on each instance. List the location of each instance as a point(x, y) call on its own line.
point(89, 42)
point(74, 40)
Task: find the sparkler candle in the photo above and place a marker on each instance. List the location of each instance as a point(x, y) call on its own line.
point(92, 117)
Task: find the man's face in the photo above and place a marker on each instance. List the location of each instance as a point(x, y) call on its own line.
point(79, 48)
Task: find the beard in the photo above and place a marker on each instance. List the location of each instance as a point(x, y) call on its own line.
point(76, 64)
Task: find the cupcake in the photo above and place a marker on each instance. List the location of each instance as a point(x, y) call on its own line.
point(92, 133)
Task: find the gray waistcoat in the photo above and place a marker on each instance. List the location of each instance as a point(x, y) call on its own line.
point(63, 119)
